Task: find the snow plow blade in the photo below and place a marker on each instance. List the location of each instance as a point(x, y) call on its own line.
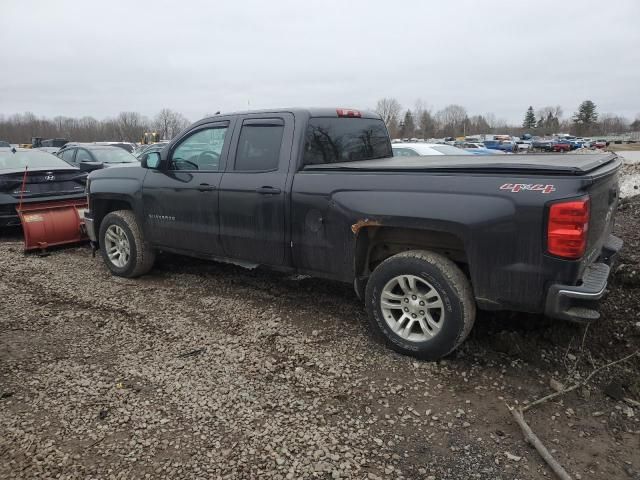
point(48, 224)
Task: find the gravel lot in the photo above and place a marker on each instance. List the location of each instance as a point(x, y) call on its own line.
point(204, 370)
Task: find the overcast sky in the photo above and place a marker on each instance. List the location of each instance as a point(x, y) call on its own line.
point(98, 58)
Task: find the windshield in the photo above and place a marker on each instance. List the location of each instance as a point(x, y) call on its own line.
point(32, 159)
point(332, 140)
point(113, 155)
point(449, 150)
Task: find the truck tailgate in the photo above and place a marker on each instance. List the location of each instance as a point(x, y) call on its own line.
point(604, 194)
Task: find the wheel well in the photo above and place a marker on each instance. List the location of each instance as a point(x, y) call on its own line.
point(375, 244)
point(100, 209)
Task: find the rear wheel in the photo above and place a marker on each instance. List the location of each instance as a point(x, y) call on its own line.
point(421, 303)
point(122, 245)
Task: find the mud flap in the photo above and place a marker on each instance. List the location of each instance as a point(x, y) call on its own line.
point(47, 224)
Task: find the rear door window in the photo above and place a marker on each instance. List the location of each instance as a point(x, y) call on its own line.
point(68, 155)
point(259, 145)
point(83, 156)
point(332, 140)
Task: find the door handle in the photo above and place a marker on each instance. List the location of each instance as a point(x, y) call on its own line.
point(268, 190)
point(205, 187)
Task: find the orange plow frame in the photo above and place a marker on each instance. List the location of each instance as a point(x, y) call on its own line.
point(47, 224)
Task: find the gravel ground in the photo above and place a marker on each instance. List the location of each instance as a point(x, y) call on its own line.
point(204, 370)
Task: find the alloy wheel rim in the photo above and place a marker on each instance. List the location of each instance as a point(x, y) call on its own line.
point(412, 308)
point(117, 246)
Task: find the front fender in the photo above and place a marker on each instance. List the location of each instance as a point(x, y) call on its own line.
point(115, 188)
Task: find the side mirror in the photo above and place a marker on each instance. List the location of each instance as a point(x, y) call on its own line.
point(90, 166)
point(150, 160)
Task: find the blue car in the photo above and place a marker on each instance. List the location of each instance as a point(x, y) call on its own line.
point(504, 145)
point(478, 149)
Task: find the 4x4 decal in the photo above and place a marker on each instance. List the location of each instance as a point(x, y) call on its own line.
point(518, 187)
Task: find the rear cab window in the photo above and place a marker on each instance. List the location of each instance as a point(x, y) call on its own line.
point(345, 139)
point(404, 152)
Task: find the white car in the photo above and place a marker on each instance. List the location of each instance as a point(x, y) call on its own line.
point(423, 149)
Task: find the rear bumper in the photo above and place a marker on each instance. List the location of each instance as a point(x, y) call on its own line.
point(576, 302)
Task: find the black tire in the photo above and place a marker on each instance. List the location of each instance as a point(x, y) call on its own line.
point(141, 257)
point(451, 284)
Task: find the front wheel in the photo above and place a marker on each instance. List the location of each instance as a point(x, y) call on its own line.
point(421, 303)
point(122, 245)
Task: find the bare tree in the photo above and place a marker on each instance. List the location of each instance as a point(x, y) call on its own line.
point(610, 123)
point(169, 123)
point(451, 120)
point(419, 107)
point(389, 110)
point(131, 126)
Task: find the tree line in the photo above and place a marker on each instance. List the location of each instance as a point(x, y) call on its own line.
point(454, 121)
point(417, 122)
point(126, 126)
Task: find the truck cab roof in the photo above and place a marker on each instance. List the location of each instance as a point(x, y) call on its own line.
point(296, 111)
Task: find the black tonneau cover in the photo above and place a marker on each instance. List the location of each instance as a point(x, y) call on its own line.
point(562, 163)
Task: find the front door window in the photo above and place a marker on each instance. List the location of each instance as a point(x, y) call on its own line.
point(200, 151)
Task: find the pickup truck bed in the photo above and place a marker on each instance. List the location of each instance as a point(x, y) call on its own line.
point(424, 240)
point(537, 164)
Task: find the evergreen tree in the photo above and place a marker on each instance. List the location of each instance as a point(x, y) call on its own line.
point(552, 123)
point(427, 125)
point(529, 119)
point(408, 126)
point(586, 117)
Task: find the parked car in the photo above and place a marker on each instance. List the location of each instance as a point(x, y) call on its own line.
point(507, 146)
point(502, 145)
point(492, 144)
point(479, 149)
point(424, 240)
point(52, 150)
point(420, 149)
point(4, 144)
point(542, 144)
point(89, 156)
point(129, 147)
point(155, 147)
point(523, 146)
point(45, 177)
point(52, 143)
point(560, 145)
point(600, 144)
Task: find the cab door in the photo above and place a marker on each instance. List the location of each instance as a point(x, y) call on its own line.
point(181, 201)
point(252, 192)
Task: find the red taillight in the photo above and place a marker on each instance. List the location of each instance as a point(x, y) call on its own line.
point(567, 228)
point(346, 112)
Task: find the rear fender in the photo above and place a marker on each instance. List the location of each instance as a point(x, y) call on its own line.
point(461, 216)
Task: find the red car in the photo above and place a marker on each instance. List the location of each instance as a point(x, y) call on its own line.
point(561, 146)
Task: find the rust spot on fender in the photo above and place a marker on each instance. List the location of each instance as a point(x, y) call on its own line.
point(355, 228)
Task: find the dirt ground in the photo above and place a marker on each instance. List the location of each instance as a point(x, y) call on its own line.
point(205, 370)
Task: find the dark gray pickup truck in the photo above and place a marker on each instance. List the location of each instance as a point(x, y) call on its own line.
point(424, 240)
